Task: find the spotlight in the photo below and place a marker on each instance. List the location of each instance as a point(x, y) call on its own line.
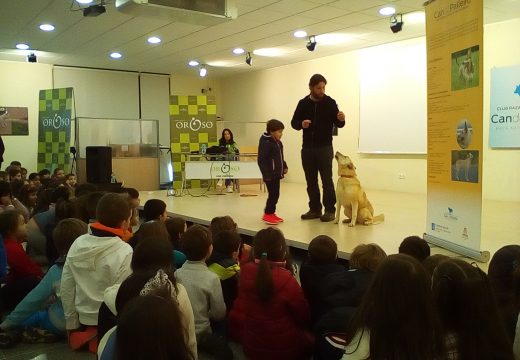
point(396, 25)
point(249, 59)
point(94, 10)
point(203, 71)
point(311, 44)
point(32, 58)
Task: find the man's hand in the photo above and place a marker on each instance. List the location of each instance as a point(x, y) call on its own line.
point(285, 170)
point(341, 116)
point(306, 123)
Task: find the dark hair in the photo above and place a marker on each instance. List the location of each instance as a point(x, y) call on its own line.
point(24, 170)
point(5, 189)
point(16, 186)
point(431, 262)
point(9, 221)
point(367, 256)
point(226, 242)
point(268, 245)
point(322, 250)
point(222, 141)
point(68, 176)
point(415, 246)
point(151, 255)
point(4, 176)
point(150, 230)
point(61, 192)
point(32, 176)
point(151, 327)
point(91, 203)
point(468, 309)
point(398, 313)
point(274, 125)
point(55, 171)
point(316, 79)
point(44, 172)
point(44, 200)
point(66, 232)
point(175, 226)
point(153, 208)
point(25, 191)
point(83, 189)
point(16, 163)
point(65, 209)
point(112, 209)
point(13, 171)
point(221, 223)
point(196, 242)
point(132, 193)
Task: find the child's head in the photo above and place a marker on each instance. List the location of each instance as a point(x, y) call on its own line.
point(84, 189)
point(227, 243)
point(415, 246)
point(322, 250)
point(155, 209)
point(16, 163)
point(58, 173)
point(15, 173)
point(4, 176)
point(28, 195)
point(431, 262)
point(24, 173)
point(221, 223)
point(275, 128)
point(367, 257)
point(70, 180)
point(133, 197)
point(153, 230)
point(44, 174)
point(66, 232)
point(5, 193)
point(12, 225)
point(113, 211)
point(176, 226)
point(152, 255)
point(502, 267)
point(197, 243)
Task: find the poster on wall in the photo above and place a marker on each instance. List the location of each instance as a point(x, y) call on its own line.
point(14, 121)
point(454, 40)
point(54, 128)
point(504, 119)
point(193, 129)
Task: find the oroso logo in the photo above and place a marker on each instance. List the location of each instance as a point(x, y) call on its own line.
point(56, 122)
point(193, 124)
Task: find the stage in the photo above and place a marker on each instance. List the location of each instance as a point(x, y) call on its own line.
point(405, 214)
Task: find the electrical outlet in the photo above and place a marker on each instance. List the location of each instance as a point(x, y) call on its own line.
point(402, 176)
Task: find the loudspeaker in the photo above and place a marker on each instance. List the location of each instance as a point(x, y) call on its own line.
point(99, 164)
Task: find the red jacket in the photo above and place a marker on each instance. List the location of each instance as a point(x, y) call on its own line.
point(277, 329)
point(20, 264)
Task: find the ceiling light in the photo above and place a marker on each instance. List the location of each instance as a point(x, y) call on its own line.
point(94, 10)
point(32, 58)
point(249, 59)
point(22, 46)
point(203, 71)
point(47, 27)
point(395, 24)
point(154, 40)
point(193, 63)
point(300, 34)
point(311, 44)
point(387, 11)
point(84, 1)
point(116, 55)
point(238, 51)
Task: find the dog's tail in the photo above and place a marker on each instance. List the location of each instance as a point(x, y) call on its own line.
point(378, 219)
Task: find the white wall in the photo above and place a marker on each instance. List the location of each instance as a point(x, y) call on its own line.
point(274, 93)
point(21, 83)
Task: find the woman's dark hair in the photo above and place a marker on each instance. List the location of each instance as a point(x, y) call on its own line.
point(222, 141)
point(9, 221)
point(415, 246)
point(468, 310)
point(24, 194)
point(151, 327)
point(268, 245)
point(367, 257)
point(175, 226)
point(151, 255)
point(398, 313)
point(322, 250)
point(196, 242)
point(221, 223)
point(153, 208)
point(316, 79)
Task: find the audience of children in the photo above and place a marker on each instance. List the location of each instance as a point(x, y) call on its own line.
point(204, 291)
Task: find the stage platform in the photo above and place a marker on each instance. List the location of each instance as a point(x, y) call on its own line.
point(405, 214)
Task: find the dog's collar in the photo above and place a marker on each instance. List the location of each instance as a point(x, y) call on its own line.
point(347, 176)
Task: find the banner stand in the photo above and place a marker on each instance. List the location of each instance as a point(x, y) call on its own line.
point(481, 256)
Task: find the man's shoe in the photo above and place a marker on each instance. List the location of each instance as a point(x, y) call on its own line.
point(270, 219)
point(311, 215)
point(278, 218)
point(327, 216)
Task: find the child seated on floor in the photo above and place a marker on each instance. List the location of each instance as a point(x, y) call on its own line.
point(415, 246)
point(204, 291)
point(224, 263)
point(41, 311)
point(322, 261)
point(94, 262)
point(176, 226)
point(221, 223)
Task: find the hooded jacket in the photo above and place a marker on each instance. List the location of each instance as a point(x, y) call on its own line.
point(270, 158)
point(323, 115)
point(93, 264)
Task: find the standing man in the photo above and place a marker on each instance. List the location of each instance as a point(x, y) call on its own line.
point(316, 114)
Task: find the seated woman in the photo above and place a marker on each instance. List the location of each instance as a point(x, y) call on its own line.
point(228, 141)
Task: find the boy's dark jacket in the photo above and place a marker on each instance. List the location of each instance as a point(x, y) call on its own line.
point(270, 158)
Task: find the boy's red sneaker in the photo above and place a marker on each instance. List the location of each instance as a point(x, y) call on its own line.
point(270, 219)
point(278, 218)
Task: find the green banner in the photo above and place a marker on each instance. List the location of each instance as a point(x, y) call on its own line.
point(55, 112)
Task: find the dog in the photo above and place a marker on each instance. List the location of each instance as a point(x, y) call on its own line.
point(351, 196)
point(464, 136)
point(463, 164)
point(466, 69)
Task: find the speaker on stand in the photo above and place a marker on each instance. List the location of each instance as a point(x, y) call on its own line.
point(99, 164)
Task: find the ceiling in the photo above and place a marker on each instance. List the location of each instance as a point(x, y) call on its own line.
point(87, 41)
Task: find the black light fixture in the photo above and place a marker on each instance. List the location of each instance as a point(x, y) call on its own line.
point(32, 58)
point(395, 24)
point(249, 59)
point(311, 44)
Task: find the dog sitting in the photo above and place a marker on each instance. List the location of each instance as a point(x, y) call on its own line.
point(466, 69)
point(463, 164)
point(350, 195)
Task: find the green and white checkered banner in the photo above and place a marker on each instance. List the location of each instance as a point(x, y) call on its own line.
point(54, 127)
point(192, 127)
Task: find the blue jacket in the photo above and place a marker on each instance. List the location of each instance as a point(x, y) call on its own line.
point(3, 260)
point(270, 158)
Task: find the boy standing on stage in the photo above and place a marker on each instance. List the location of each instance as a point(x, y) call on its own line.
point(272, 166)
